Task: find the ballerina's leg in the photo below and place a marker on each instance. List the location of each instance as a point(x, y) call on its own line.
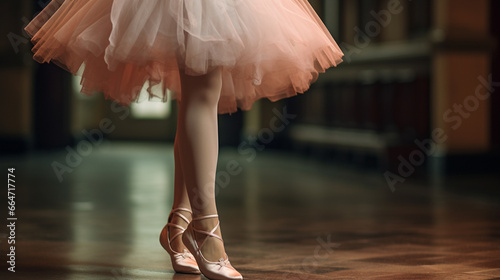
point(198, 150)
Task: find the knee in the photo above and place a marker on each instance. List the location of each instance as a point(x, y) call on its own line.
point(202, 90)
point(203, 97)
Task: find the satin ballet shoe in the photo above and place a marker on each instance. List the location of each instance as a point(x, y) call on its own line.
point(221, 270)
point(181, 262)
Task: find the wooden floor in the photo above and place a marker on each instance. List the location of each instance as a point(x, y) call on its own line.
point(282, 216)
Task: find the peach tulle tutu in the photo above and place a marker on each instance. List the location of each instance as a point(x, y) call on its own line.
point(267, 48)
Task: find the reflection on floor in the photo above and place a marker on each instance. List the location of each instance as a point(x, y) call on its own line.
point(283, 217)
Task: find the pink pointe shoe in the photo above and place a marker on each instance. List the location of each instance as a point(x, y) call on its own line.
point(181, 262)
point(221, 270)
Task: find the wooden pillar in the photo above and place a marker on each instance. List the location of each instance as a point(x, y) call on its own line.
point(460, 101)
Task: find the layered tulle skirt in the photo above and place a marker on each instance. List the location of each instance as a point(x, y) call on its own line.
point(267, 48)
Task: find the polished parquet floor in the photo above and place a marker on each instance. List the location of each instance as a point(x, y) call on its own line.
point(283, 217)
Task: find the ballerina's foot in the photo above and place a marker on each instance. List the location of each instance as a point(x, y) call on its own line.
point(213, 249)
point(202, 237)
point(171, 240)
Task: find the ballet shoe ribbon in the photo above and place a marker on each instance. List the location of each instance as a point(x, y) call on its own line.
point(223, 263)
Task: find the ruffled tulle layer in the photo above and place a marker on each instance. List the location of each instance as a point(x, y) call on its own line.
point(267, 48)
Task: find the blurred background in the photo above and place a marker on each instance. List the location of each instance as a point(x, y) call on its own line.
point(394, 155)
point(407, 64)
